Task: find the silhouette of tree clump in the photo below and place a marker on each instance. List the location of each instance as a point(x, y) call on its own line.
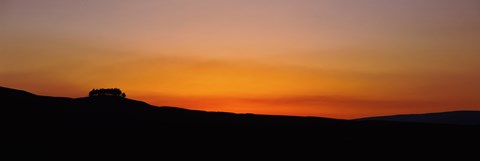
point(112, 92)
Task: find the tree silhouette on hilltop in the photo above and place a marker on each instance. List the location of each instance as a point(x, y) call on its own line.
point(113, 92)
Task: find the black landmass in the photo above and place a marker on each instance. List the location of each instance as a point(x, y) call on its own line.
point(119, 127)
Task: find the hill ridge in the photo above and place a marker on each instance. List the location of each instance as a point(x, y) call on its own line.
point(457, 117)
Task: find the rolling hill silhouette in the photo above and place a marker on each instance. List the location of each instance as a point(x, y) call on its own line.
point(453, 118)
point(117, 112)
point(117, 125)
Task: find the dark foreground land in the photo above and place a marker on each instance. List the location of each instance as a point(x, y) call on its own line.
point(118, 127)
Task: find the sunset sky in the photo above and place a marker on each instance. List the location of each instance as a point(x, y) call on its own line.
point(329, 58)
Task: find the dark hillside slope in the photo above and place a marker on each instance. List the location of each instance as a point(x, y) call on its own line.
point(452, 118)
point(116, 125)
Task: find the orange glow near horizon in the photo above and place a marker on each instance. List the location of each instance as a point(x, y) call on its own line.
point(307, 106)
point(345, 59)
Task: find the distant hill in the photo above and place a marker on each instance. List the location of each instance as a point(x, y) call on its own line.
point(117, 126)
point(453, 118)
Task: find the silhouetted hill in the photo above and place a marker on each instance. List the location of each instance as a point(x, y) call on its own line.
point(453, 118)
point(118, 112)
point(13, 93)
point(116, 126)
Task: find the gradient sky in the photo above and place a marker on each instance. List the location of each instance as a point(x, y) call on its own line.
point(329, 58)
